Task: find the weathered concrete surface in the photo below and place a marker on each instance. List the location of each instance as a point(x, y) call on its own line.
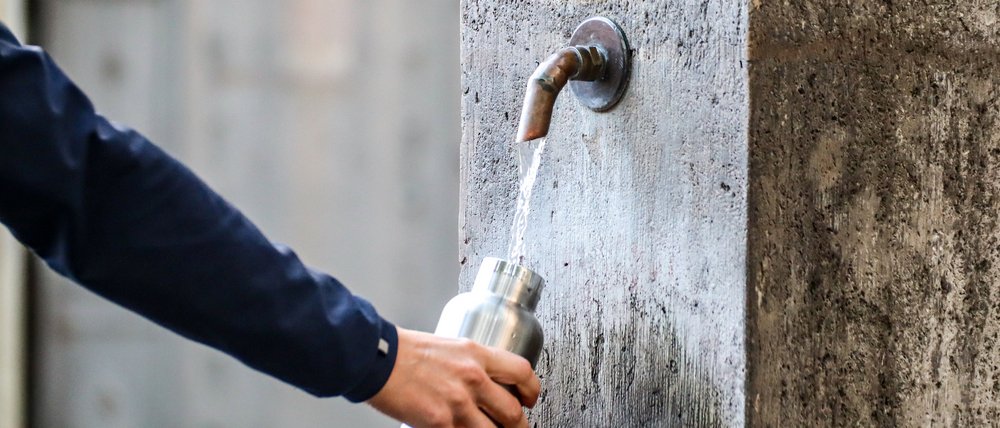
point(638, 220)
point(874, 196)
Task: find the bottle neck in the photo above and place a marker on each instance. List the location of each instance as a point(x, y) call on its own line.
point(509, 281)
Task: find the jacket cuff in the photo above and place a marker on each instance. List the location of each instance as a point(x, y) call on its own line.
point(381, 367)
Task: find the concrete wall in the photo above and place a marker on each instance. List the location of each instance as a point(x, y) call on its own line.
point(638, 220)
point(333, 124)
point(874, 196)
point(864, 137)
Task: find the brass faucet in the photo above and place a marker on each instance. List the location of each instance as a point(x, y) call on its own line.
point(598, 61)
point(585, 63)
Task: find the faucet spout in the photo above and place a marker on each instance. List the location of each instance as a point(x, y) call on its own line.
point(598, 61)
point(586, 63)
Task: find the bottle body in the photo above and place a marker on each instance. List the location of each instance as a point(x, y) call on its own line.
point(499, 311)
point(492, 321)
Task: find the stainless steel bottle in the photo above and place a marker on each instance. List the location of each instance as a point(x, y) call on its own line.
point(499, 311)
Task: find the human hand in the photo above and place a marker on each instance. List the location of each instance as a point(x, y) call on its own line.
point(441, 382)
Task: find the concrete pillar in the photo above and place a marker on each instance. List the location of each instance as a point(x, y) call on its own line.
point(790, 220)
point(638, 220)
point(874, 188)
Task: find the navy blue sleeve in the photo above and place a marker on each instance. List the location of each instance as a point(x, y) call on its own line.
point(111, 211)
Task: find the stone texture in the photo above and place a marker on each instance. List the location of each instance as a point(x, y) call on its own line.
point(873, 250)
point(638, 220)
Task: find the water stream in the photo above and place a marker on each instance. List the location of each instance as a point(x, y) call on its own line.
point(529, 158)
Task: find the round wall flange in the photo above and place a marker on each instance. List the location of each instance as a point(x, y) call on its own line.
point(602, 94)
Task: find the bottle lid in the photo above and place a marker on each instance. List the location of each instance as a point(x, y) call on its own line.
point(510, 281)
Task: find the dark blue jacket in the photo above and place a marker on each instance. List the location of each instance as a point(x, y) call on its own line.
point(108, 209)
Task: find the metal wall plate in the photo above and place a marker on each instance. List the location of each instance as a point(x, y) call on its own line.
point(604, 93)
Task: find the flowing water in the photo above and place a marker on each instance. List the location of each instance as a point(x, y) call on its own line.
point(529, 157)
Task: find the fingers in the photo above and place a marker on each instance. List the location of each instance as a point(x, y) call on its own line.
point(476, 419)
point(497, 402)
point(510, 369)
point(448, 382)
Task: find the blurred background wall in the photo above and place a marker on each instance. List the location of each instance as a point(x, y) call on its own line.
point(13, 292)
point(334, 125)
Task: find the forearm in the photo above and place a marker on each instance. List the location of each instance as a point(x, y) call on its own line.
point(110, 210)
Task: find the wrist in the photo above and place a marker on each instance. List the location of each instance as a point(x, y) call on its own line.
point(385, 350)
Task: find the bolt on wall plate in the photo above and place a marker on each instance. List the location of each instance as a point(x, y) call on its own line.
point(602, 94)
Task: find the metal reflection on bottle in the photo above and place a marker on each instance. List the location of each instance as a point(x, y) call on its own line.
point(499, 311)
